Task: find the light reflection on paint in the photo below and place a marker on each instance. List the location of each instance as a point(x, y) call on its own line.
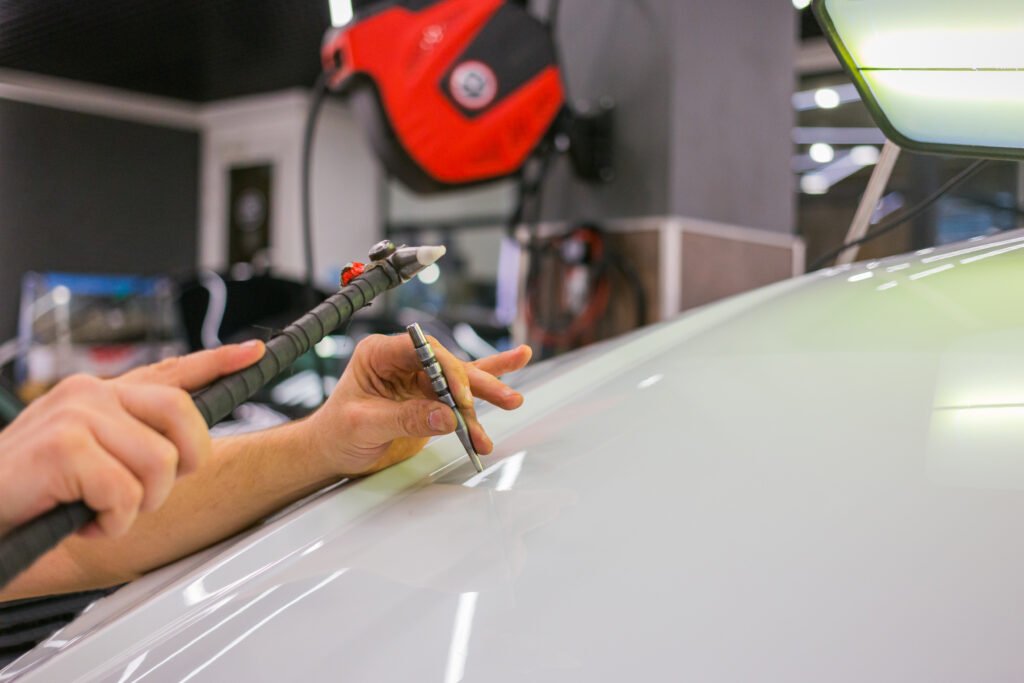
point(196, 591)
point(887, 285)
point(650, 381)
point(313, 548)
point(860, 277)
point(210, 630)
point(970, 250)
point(230, 646)
point(132, 667)
point(893, 269)
point(998, 252)
point(458, 651)
point(933, 271)
point(513, 462)
point(510, 470)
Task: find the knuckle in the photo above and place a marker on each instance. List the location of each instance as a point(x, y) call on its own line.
point(413, 421)
point(168, 367)
point(368, 346)
point(176, 402)
point(68, 435)
point(80, 383)
point(354, 415)
point(161, 461)
point(132, 493)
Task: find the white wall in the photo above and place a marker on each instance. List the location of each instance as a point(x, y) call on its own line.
point(346, 180)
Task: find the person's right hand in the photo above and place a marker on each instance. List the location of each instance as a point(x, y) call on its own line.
point(117, 445)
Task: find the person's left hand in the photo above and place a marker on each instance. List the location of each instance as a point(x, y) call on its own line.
point(383, 410)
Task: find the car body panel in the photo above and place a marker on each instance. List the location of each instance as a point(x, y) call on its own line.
point(820, 480)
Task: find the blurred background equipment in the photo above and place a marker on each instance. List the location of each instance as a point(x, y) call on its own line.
point(101, 325)
point(459, 92)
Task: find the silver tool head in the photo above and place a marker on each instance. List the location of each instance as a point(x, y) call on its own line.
point(409, 261)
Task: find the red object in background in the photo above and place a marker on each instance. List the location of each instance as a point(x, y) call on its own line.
point(352, 271)
point(466, 89)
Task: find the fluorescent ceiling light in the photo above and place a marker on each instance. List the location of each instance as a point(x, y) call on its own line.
point(864, 155)
point(827, 98)
point(822, 152)
point(806, 100)
point(943, 76)
point(814, 183)
point(341, 12)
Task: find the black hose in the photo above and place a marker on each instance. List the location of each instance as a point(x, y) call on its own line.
point(21, 547)
point(308, 135)
point(905, 216)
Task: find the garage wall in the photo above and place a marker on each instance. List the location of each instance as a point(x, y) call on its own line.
point(704, 119)
point(346, 181)
point(91, 194)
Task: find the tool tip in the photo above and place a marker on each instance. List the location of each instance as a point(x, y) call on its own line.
point(429, 255)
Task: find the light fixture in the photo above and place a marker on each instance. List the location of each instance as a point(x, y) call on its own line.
point(341, 12)
point(942, 76)
point(814, 183)
point(822, 152)
point(827, 98)
point(801, 4)
point(864, 155)
point(430, 274)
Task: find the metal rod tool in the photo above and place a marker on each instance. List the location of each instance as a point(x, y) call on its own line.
point(444, 393)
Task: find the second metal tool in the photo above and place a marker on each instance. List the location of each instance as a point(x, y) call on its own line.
point(440, 386)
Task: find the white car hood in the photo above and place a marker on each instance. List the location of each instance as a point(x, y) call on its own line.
point(818, 481)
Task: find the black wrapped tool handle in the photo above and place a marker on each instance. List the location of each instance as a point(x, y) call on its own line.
point(218, 400)
point(21, 547)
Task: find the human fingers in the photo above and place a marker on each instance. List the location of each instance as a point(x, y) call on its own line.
point(491, 389)
point(457, 374)
point(107, 487)
point(172, 413)
point(196, 370)
point(505, 362)
point(380, 421)
point(149, 456)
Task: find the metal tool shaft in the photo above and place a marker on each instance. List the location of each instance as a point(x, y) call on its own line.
point(439, 384)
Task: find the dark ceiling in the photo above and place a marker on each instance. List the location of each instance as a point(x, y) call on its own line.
point(198, 50)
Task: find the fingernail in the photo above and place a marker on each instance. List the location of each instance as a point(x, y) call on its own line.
point(251, 344)
point(436, 420)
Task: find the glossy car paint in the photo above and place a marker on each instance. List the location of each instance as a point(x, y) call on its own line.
point(819, 481)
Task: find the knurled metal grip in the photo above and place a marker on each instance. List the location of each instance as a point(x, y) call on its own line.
point(430, 364)
point(21, 547)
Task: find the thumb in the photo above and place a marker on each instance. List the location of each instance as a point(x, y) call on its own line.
point(196, 370)
point(417, 418)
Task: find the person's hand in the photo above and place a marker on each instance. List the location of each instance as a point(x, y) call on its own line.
point(118, 445)
point(383, 410)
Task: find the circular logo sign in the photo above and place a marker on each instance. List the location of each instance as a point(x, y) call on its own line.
point(473, 85)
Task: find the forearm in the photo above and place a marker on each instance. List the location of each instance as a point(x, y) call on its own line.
point(248, 477)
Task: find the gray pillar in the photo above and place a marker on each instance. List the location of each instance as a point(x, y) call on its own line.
point(703, 108)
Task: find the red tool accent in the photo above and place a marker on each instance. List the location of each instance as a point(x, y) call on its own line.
point(409, 56)
point(351, 272)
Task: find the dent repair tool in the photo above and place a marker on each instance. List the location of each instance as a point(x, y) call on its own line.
point(440, 386)
point(389, 267)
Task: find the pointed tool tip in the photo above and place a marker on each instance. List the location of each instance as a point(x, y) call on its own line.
point(430, 255)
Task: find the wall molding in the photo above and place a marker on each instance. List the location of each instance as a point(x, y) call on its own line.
point(98, 100)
